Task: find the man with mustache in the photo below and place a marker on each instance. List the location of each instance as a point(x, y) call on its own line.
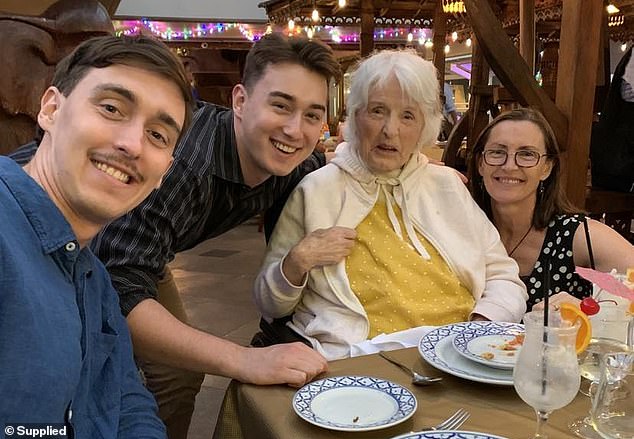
point(109, 123)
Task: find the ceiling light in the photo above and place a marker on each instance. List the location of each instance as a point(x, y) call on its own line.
point(291, 24)
point(315, 15)
point(342, 3)
point(612, 9)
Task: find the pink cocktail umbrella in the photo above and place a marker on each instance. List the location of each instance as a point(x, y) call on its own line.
point(606, 282)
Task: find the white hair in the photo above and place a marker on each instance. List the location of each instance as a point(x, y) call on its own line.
point(418, 81)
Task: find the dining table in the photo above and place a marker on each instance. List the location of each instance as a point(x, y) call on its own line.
point(266, 412)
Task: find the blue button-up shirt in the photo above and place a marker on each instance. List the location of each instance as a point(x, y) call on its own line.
point(65, 350)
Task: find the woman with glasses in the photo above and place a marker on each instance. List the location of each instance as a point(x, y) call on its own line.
point(515, 177)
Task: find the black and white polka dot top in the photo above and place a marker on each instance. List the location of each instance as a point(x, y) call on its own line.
point(558, 247)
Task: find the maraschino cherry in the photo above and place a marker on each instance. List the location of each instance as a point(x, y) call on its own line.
point(590, 306)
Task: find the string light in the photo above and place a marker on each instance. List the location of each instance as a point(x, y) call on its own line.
point(447, 48)
point(315, 15)
point(623, 47)
point(342, 3)
point(309, 33)
point(178, 31)
point(454, 36)
point(468, 42)
point(429, 44)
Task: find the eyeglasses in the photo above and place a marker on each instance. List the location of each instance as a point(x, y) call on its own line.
point(524, 158)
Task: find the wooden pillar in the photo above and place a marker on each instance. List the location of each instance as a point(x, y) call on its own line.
point(367, 27)
point(480, 99)
point(440, 30)
point(527, 33)
point(576, 77)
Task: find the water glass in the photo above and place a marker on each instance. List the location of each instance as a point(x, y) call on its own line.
point(613, 403)
point(546, 374)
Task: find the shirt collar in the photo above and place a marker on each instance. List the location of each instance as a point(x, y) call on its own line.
point(47, 221)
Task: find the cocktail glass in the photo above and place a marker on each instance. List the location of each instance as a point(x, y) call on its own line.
point(546, 374)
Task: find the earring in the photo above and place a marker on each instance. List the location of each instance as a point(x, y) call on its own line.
point(541, 188)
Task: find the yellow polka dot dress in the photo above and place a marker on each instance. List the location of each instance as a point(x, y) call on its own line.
point(396, 286)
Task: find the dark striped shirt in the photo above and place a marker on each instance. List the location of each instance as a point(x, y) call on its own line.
point(203, 195)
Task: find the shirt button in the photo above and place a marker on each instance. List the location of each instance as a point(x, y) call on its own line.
point(70, 247)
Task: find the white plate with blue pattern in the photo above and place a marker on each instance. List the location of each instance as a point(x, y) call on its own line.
point(436, 347)
point(448, 434)
point(494, 344)
point(354, 403)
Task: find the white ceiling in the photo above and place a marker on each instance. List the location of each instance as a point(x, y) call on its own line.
point(246, 10)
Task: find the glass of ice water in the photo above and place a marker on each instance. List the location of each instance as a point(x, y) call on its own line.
point(546, 374)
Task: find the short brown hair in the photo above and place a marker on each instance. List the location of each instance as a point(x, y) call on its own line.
point(274, 48)
point(553, 201)
point(135, 51)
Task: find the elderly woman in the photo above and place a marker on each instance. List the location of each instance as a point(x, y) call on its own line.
point(515, 177)
point(377, 241)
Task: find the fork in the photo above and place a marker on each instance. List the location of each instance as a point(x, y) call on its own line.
point(454, 421)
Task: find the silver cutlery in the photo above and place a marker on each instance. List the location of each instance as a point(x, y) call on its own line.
point(454, 421)
point(418, 379)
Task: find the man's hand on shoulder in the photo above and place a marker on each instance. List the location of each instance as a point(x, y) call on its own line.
point(463, 177)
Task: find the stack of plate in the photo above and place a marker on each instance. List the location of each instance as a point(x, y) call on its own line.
point(477, 351)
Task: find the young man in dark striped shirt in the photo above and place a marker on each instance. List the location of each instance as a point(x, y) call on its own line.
point(229, 166)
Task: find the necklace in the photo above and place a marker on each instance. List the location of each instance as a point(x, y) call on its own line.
point(521, 240)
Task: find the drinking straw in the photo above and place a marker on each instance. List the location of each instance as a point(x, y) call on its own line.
point(545, 335)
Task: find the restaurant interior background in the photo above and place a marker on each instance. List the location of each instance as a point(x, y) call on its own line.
point(213, 36)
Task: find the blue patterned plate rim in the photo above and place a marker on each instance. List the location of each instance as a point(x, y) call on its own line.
point(448, 434)
point(462, 341)
point(437, 345)
point(343, 414)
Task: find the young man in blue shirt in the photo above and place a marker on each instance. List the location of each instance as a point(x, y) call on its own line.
point(110, 122)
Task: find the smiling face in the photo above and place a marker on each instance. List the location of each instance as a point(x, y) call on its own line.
point(278, 122)
point(108, 143)
point(508, 183)
point(389, 128)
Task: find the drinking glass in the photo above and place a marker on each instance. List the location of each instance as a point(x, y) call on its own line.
point(546, 374)
point(613, 402)
point(610, 334)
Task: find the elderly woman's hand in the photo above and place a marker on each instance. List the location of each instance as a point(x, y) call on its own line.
point(319, 248)
point(557, 299)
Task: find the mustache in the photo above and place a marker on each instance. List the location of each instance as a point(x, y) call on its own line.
point(120, 161)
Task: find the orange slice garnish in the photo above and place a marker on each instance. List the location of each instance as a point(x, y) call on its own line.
point(573, 313)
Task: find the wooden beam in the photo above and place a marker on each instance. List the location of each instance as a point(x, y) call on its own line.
point(367, 27)
point(576, 79)
point(527, 33)
point(509, 66)
point(440, 30)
